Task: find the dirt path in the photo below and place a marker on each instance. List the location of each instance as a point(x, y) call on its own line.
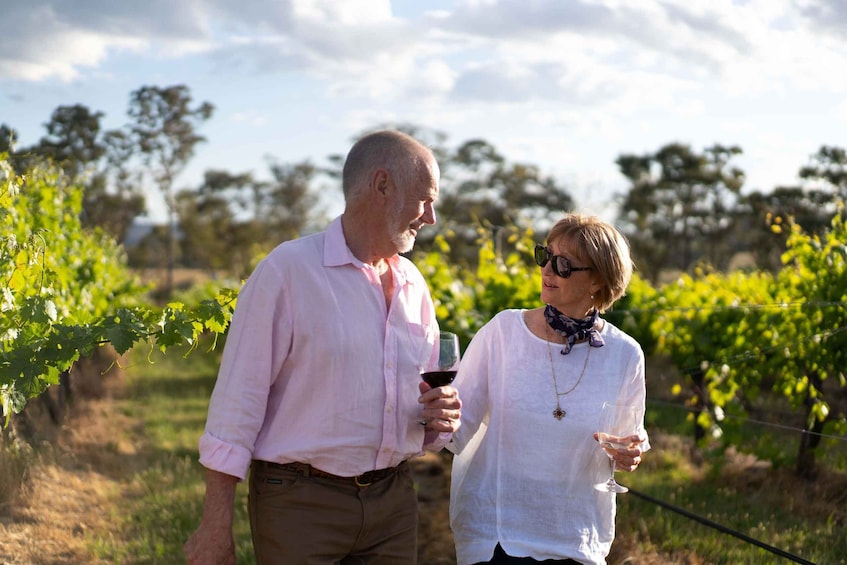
point(69, 492)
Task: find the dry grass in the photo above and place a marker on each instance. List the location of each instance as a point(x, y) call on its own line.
point(68, 492)
point(61, 506)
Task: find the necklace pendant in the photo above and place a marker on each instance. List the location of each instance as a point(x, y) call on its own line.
point(558, 413)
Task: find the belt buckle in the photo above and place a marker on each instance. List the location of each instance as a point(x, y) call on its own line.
point(359, 483)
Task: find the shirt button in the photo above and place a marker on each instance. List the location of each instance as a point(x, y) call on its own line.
point(388, 409)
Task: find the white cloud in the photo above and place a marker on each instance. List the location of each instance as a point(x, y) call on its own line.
point(508, 51)
point(249, 118)
point(43, 40)
point(64, 55)
point(567, 84)
point(347, 13)
point(434, 80)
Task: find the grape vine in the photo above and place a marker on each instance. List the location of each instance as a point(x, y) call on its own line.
point(66, 290)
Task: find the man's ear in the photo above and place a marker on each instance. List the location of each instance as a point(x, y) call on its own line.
point(380, 182)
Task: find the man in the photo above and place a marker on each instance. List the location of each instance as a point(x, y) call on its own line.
point(319, 392)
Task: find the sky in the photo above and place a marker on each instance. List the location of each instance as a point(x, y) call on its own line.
point(566, 85)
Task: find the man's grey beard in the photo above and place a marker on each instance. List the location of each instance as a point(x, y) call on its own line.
point(404, 241)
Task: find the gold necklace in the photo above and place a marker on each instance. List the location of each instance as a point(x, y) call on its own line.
point(558, 413)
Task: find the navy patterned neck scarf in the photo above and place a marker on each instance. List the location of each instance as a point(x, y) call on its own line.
point(574, 330)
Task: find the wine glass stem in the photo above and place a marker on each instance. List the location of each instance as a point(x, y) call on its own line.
point(612, 476)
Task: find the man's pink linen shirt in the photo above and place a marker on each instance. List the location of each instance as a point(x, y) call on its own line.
point(316, 369)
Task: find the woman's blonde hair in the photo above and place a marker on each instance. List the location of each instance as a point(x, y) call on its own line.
point(603, 248)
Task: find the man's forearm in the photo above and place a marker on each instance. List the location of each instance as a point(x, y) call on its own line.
point(219, 504)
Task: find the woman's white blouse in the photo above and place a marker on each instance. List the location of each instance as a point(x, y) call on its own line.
point(520, 477)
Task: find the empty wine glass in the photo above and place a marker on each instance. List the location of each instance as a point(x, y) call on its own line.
point(617, 423)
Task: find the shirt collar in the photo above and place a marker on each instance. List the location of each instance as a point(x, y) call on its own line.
point(337, 253)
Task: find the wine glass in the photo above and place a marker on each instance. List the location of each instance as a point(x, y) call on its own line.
point(617, 423)
point(441, 366)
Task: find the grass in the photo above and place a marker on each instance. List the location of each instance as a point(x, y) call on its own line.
point(816, 541)
point(14, 461)
point(773, 506)
point(163, 502)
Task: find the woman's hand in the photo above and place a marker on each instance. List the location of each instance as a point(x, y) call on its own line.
point(626, 458)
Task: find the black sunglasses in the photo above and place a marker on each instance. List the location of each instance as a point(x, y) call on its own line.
point(561, 265)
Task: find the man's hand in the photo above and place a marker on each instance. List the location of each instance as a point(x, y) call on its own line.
point(442, 408)
point(212, 543)
point(209, 546)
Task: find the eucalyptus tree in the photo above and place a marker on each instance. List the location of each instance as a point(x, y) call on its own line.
point(74, 139)
point(8, 137)
point(482, 189)
point(163, 131)
point(762, 217)
point(828, 170)
point(211, 237)
point(291, 204)
point(77, 143)
point(9, 148)
point(680, 206)
point(231, 218)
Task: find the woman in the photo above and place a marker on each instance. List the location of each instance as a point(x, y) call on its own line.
point(533, 383)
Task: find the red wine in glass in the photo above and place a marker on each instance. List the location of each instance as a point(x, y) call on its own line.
point(436, 379)
point(440, 370)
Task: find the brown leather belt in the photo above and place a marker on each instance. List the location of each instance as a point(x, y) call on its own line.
point(307, 470)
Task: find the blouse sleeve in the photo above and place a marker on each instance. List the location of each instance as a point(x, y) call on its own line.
point(634, 391)
point(472, 384)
